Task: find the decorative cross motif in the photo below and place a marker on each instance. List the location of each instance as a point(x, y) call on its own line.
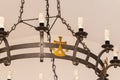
point(60, 52)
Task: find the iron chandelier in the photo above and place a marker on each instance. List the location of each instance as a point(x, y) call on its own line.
point(56, 48)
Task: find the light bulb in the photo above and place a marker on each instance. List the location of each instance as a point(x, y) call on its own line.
point(115, 52)
point(40, 76)
point(9, 76)
point(41, 18)
point(107, 34)
point(2, 20)
point(80, 22)
point(76, 72)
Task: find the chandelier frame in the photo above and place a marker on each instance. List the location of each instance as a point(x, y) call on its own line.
point(42, 28)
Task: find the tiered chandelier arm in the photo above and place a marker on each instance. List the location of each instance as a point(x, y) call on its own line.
point(48, 55)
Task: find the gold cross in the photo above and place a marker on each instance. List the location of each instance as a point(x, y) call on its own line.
point(60, 52)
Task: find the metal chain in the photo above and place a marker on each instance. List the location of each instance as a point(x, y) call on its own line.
point(68, 26)
point(85, 47)
point(62, 19)
point(54, 69)
point(88, 50)
point(47, 14)
point(19, 17)
point(53, 61)
point(21, 10)
point(58, 8)
point(49, 39)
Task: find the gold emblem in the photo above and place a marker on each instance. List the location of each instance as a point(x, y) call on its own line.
point(59, 51)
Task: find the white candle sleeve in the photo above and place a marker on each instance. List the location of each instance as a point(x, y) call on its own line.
point(40, 76)
point(41, 18)
point(115, 52)
point(9, 76)
point(107, 34)
point(2, 20)
point(80, 22)
point(75, 72)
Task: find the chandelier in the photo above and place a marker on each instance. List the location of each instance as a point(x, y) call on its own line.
point(57, 49)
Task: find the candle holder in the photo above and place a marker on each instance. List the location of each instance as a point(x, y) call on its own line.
point(3, 33)
point(115, 61)
point(41, 27)
point(108, 46)
point(102, 79)
point(81, 33)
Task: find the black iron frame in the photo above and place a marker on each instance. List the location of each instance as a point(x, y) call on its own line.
point(80, 35)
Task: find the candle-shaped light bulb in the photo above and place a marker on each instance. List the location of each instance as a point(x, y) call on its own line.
point(76, 78)
point(80, 22)
point(41, 18)
point(40, 76)
point(9, 76)
point(107, 34)
point(76, 72)
point(2, 20)
point(115, 52)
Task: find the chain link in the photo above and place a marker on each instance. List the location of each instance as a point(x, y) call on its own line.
point(54, 69)
point(58, 8)
point(53, 62)
point(49, 39)
point(62, 19)
point(85, 47)
point(19, 17)
point(21, 10)
point(47, 14)
point(88, 50)
point(68, 26)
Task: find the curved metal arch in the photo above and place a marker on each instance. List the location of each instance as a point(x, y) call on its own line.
point(7, 62)
point(47, 55)
point(100, 54)
point(112, 65)
point(50, 45)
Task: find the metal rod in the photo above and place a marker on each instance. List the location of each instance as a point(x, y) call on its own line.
point(37, 18)
point(41, 45)
point(28, 24)
point(53, 23)
point(30, 19)
point(75, 52)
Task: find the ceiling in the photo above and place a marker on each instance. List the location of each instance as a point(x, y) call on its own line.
point(98, 15)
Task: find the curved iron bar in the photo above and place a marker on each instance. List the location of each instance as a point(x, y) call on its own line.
point(7, 62)
point(47, 55)
point(112, 65)
point(105, 75)
point(50, 45)
point(99, 56)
